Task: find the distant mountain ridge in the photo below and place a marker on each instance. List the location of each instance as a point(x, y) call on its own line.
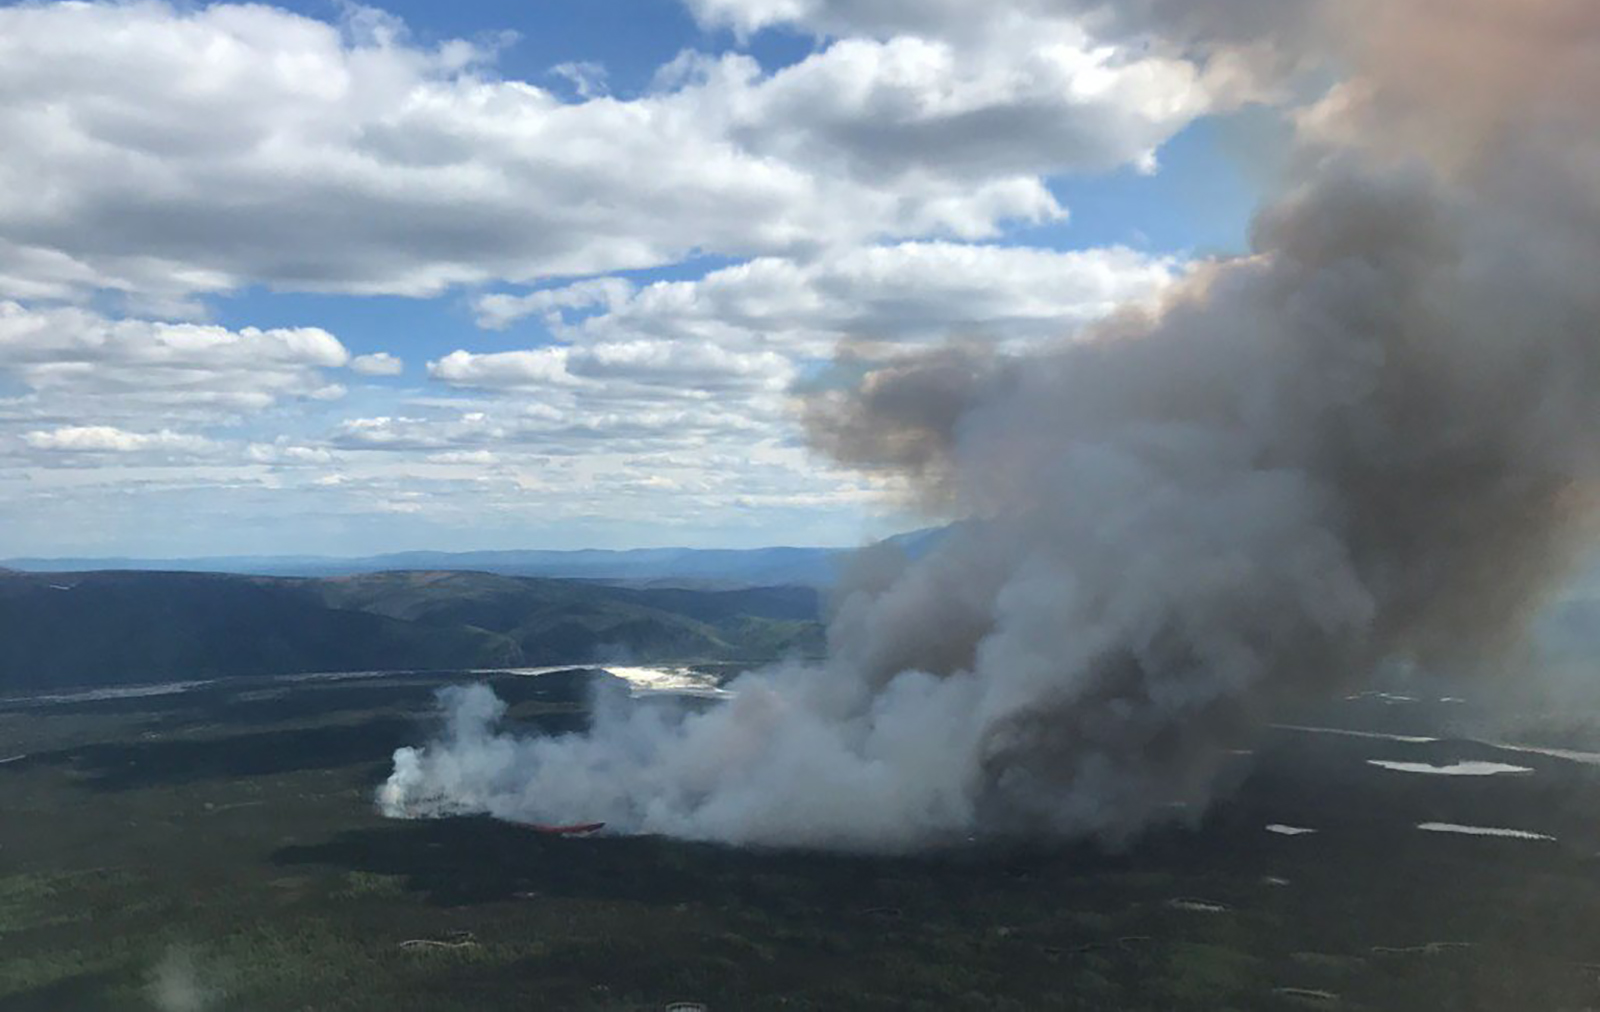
point(682, 567)
point(91, 629)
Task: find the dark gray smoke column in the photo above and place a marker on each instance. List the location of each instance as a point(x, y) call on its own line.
point(1373, 437)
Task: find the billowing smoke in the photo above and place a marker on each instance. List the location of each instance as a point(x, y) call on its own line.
point(1373, 437)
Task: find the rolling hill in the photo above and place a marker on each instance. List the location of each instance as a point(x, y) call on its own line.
point(123, 627)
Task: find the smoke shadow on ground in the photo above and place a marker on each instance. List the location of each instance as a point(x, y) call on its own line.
point(482, 860)
point(478, 860)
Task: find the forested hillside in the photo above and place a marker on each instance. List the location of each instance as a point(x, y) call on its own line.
point(109, 628)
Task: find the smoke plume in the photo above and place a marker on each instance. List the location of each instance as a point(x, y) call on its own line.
point(1373, 437)
point(175, 984)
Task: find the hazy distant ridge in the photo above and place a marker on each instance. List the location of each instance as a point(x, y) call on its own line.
point(754, 567)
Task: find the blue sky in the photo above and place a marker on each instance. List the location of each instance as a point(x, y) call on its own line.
point(326, 278)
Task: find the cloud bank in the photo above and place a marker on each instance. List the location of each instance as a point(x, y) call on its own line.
point(167, 152)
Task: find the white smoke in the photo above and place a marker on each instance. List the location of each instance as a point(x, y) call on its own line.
point(1373, 437)
point(175, 984)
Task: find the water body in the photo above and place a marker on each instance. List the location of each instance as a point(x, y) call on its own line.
point(1571, 755)
point(1388, 698)
point(642, 681)
point(1510, 834)
point(342, 676)
point(1198, 906)
point(669, 681)
point(535, 672)
point(96, 695)
point(1460, 769)
point(1409, 739)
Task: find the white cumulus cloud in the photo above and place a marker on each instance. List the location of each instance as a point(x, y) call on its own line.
point(379, 363)
point(167, 151)
point(79, 362)
point(109, 439)
point(917, 291)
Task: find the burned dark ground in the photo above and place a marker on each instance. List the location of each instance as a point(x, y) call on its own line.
point(218, 848)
